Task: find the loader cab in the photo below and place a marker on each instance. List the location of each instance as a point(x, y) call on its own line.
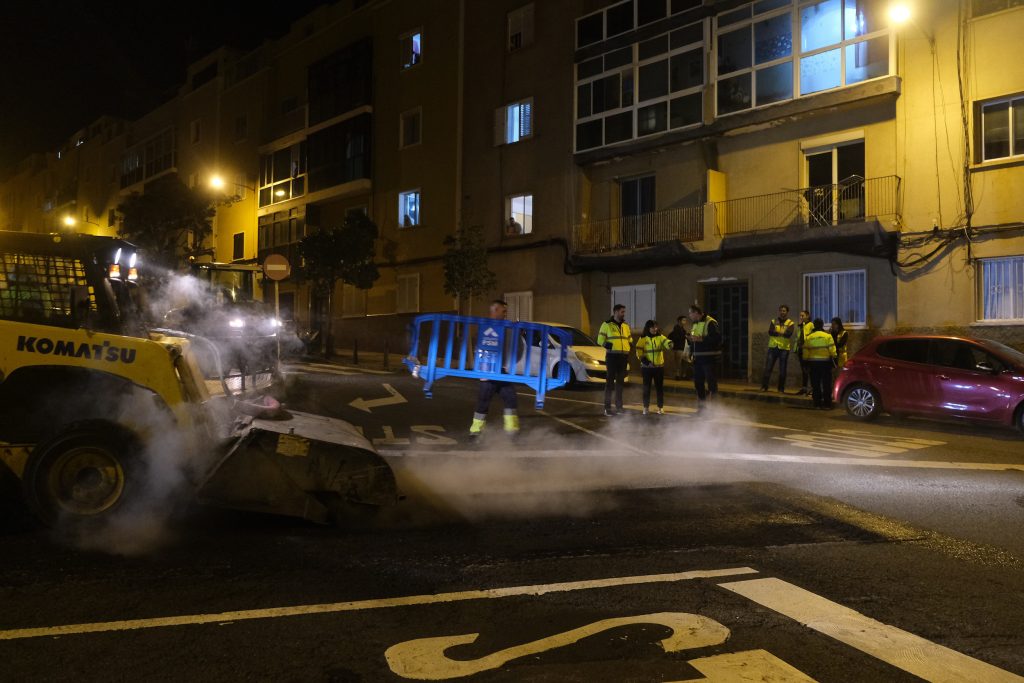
point(71, 281)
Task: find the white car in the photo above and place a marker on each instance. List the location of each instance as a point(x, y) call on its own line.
point(585, 357)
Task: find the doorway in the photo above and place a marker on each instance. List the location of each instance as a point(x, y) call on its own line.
point(835, 180)
point(729, 305)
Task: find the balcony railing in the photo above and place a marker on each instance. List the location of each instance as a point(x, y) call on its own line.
point(632, 232)
point(852, 200)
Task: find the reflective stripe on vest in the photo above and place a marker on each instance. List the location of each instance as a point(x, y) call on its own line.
point(618, 334)
point(819, 346)
point(779, 341)
point(653, 349)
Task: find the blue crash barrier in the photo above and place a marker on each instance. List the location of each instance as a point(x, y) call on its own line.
point(482, 348)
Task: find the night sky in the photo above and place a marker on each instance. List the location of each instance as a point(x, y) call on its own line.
point(67, 62)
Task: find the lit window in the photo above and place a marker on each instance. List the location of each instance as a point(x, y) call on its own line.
point(514, 122)
point(1002, 129)
point(411, 128)
point(519, 212)
point(411, 49)
point(842, 293)
point(409, 209)
point(1002, 288)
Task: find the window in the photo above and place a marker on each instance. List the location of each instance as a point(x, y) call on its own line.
point(241, 127)
point(519, 212)
point(281, 228)
point(842, 293)
point(643, 89)
point(835, 180)
point(520, 305)
point(238, 246)
point(1001, 288)
point(194, 131)
point(148, 158)
point(412, 49)
point(907, 350)
point(111, 218)
point(829, 43)
point(282, 175)
point(637, 195)
point(520, 28)
point(982, 7)
point(514, 122)
point(409, 209)
point(408, 296)
point(41, 288)
point(411, 128)
point(1002, 129)
point(640, 302)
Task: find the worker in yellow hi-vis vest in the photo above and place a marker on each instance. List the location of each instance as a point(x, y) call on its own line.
point(820, 355)
point(706, 343)
point(650, 349)
point(780, 339)
point(617, 339)
point(803, 328)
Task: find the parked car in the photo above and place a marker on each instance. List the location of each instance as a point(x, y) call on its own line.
point(933, 376)
point(585, 357)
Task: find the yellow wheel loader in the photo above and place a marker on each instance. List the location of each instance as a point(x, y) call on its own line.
point(98, 410)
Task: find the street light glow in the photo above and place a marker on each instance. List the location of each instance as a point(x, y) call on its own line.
point(69, 220)
point(899, 13)
point(216, 182)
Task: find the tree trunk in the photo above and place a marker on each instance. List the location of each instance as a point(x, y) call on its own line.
point(329, 337)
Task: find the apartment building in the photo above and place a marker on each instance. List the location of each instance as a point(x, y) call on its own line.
point(654, 153)
point(745, 155)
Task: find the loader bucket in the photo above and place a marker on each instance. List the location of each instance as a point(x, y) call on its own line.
point(303, 465)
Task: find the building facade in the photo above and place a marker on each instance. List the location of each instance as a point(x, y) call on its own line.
point(656, 153)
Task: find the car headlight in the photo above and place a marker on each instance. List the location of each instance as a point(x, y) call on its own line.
point(236, 323)
point(585, 357)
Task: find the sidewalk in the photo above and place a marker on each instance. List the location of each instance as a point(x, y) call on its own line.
point(726, 389)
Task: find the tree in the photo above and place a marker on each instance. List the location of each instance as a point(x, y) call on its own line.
point(466, 274)
point(168, 221)
point(343, 254)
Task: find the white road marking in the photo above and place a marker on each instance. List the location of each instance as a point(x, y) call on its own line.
point(593, 433)
point(353, 606)
point(677, 411)
point(855, 442)
point(892, 645)
point(522, 452)
point(366, 406)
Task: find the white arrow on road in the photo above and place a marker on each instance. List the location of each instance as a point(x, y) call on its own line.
point(366, 406)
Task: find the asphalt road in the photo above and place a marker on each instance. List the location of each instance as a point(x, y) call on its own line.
point(755, 539)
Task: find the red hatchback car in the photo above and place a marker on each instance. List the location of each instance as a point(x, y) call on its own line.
point(970, 379)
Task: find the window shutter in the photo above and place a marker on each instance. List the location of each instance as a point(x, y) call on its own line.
point(499, 126)
point(526, 120)
point(526, 25)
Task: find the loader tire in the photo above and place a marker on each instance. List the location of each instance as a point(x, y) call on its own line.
point(86, 472)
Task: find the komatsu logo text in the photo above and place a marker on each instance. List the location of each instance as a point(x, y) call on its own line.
point(105, 351)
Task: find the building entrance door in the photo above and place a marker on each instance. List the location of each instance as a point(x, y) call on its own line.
point(729, 305)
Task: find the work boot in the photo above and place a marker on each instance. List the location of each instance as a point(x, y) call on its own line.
point(661, 411)
point(511, 422)
point(477, 428)
point(645, 410)
point(608, 412)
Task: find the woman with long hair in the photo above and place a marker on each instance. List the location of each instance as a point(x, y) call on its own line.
point(842, 338)
point(650, 349)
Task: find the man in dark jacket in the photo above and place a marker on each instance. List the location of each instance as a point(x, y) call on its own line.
point(678, 338)
point(706, 347)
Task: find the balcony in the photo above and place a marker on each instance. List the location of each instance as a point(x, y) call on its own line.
point(635, 232)
point(810, 214)
point(853, 200)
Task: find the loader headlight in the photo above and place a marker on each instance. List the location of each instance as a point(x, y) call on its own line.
point(236, 323)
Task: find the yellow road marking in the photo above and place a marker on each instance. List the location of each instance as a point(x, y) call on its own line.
point(353, 606)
